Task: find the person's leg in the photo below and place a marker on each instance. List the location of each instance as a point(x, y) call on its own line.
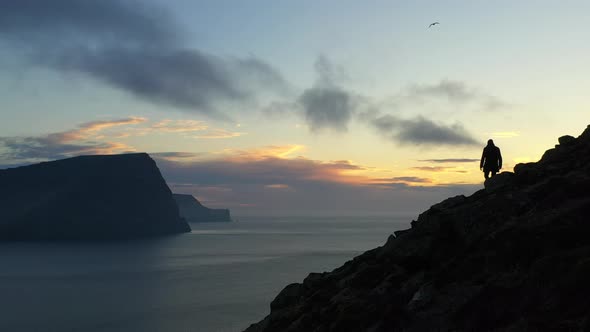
point(486, 173)
point(494, 172)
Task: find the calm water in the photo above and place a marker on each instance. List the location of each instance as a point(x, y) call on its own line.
point(220, 277)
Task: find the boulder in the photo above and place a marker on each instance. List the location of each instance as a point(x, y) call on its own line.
point(498, 181)
point(566, 140)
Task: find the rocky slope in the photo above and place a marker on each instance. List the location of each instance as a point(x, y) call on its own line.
point(193, 211)
point(88, 197)
point(514, 256)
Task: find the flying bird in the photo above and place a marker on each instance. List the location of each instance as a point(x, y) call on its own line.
point(431, 24)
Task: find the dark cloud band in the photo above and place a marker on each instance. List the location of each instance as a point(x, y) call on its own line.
point(421, 131)
point(135, 47)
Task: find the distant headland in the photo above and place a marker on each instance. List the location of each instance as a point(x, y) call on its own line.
point(100, 197)
point(193, 211)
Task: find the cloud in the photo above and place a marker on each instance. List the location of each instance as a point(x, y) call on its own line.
point(271, 178)
point(438, 169)
point(121, 21)
point(403, 180)
point(79, 141)
point(271, 167)
point(35, 148)
point(187, 79)
point(178, 126)
point(270, 151)
point(329, 106)
point(85, 130)
point(269, 183)
point(431, 168)
point(219, 133)
point(450, 160)
point(329, 74)
point(135, 47)
point(260, 169)
point(421, 131)
point(277, 186)
point(326, 105)
point(280, 109)
point(98, 137)
point(452, 90)
point(456, 92)
point(177, 156)
point(186, 128)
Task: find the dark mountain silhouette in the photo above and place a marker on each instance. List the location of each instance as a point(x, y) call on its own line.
point(514, 256)
point(87, 197)
point(193, 211)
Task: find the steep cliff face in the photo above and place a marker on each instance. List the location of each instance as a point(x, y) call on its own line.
point(88, 197)
point(514, 256)
point(193, 211)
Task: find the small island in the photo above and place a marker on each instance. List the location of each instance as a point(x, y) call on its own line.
point(193, 211)
point(100, 197)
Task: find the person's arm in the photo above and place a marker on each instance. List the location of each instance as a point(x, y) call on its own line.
point(499, 159)
point(483, 157)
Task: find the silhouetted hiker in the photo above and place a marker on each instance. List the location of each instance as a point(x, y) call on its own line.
point(491, 160)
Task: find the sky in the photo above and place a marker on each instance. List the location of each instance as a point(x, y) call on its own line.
point(333, 107)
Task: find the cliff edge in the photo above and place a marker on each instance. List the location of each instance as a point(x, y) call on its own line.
point(514, 256)
point(87, 197)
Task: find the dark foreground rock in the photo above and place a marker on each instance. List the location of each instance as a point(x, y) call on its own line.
point(88, 197)
point(514, 256)
point(193, 211)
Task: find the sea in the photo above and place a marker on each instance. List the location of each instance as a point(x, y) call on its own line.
point(221, 277)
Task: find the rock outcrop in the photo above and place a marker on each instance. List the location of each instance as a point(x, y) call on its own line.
point(514, 256)
point(87, 197)
point(193, 211)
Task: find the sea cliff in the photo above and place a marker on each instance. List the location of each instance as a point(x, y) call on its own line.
point(87, 197)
